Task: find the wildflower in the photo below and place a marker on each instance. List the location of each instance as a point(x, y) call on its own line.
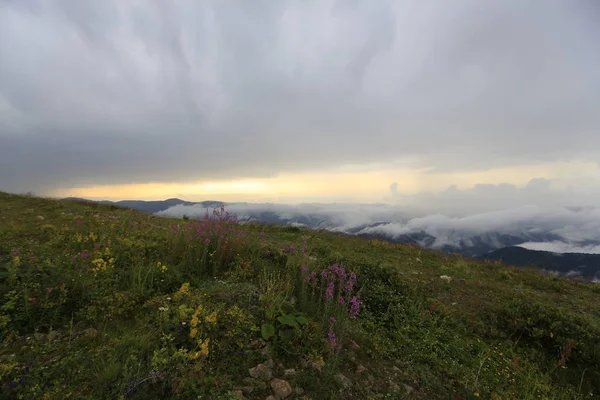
point(332, 340)
point(168, 299)
point(14, 252)
point(354, 306)
point(163, 308)
point(211, 319)
point(341, 300)
point(332, 320)
point(329, 291)
point(304, 268)
point(83, 255)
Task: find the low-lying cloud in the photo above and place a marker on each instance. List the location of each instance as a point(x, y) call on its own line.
point(561, 247)
point(560, 228)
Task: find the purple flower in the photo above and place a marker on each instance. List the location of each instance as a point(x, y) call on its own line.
point(354, 306)
point(349, 286)
point(331, 339)
point(304, 268)
point(329, 291)
point(341, 300)
point(14, 252)
point(84, 255)
point(332, 320)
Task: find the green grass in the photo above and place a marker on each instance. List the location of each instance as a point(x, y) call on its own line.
point(102, 302)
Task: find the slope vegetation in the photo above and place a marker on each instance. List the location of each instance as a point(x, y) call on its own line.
point(103, 302)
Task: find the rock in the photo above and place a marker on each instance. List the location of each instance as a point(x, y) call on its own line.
point(264, 351)
point(271, 397)
point(408, 389)
point(342, 381)
point(262, 372)
point(281, 388)
point(247, 389)
point(446, 278)
point(41, 218)
point(353, 345)
point(39, 337)
point(257, 344)
point(53, 335)
point(239, 395)
point(360, 369)
point(289, 372)
point(299, 391)
point(91, 332)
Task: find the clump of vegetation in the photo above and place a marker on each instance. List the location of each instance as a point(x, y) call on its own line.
point(103, 302)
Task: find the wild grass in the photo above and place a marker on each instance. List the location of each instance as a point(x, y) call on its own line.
point(102, 302)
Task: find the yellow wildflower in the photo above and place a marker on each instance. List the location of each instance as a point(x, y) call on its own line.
point(211, 319)
point(185, 288)
point(193, 333)
point(204, 348)
point(16, 261)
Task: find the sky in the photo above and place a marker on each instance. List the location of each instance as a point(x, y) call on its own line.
point(448, 105)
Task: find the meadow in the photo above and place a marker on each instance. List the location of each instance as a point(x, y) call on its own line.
point(101, 302)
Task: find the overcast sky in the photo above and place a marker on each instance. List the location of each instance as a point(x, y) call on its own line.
point(301, 100)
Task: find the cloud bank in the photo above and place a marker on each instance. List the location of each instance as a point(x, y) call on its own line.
point(107, 92)
point(561, 229)
point(484, 198)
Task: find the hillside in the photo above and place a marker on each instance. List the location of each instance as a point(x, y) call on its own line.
point(579, 264)
point(100, 301)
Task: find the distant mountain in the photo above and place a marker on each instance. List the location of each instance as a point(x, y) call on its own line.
point(569, 264)
point(154, 206)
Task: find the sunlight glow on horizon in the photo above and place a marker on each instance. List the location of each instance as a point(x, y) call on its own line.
point(332, 185)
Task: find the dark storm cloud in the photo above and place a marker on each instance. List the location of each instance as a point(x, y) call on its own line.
point(115, 91)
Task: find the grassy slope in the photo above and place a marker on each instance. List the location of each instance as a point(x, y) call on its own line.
point(125, 331)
